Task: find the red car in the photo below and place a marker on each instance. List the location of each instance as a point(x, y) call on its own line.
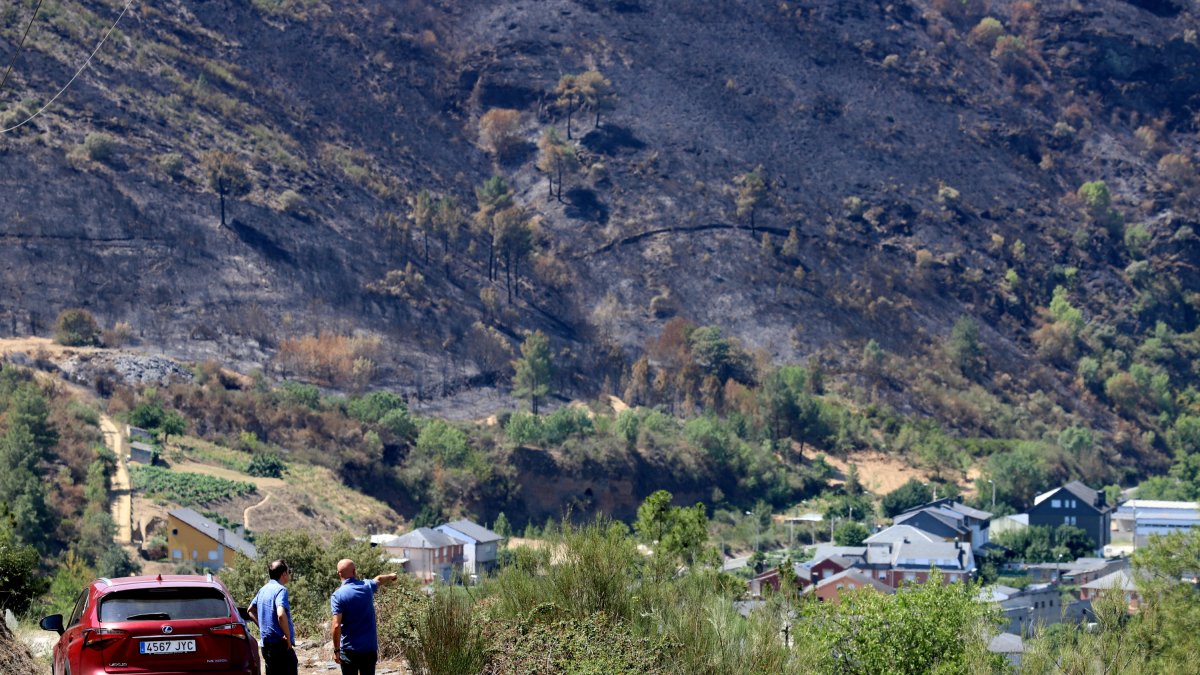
point(162, 625)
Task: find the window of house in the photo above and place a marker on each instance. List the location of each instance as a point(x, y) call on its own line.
point(177, 554)
point(910, 576)
point(1056, 503)
point(212, 555)
point(883, 575)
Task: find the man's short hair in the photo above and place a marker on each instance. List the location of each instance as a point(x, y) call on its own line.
point(277, 569)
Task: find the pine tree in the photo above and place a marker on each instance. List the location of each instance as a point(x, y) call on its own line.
point(596, 93)
point(21, 488)
point(556, 157)
point(533, 370)
point(491, 198)
point(751, 188)
point(422, 216)
point(226, 176)
point(569, 97)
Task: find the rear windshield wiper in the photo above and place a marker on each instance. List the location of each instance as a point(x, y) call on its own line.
point(149, 615)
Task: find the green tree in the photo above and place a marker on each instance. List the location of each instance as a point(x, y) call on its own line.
point(1020, 474)
point(226, 175)
point(492, 197)
point(22, 496)
point(912, 493)
point(964, 347)
point(20, 581)
point(502, 527)
point(173, 424)
point(924, 628)
point(76, 328)
point(444, 442)
point(533, 370)
point(751, 189)
point(29, 408)
point(653, 517)
point(850, 534)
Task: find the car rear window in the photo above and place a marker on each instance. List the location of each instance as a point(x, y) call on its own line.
point(165, 604)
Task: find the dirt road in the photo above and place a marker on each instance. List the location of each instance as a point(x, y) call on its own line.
point(122, 505)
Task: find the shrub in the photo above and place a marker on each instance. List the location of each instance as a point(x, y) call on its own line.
point(291, 202)
point(117, 336)
point(171, 164)
point(266, 465)
point(99, 147)
point(499, 132)
point(987, 31)
point(76, 328)
point(296, 393)
point(447, 639)
point(370, 409)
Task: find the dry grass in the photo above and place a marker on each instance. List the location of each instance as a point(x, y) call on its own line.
point(14, 656)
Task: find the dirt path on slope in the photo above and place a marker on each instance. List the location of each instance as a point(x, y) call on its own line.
point(122, 505)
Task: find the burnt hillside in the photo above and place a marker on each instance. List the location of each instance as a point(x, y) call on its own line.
point(927, 160)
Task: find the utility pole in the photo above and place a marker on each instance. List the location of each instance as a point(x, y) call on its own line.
point(993, 494)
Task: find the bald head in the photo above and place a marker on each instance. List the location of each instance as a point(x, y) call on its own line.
point(346, 569)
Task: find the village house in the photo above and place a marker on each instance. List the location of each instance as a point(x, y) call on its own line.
point(432, 555)
point(480, 554)
point(831, 588)
point(1121, 580)
point(1074, 504)
point(1026, 610)
point(192, 537)
point(949, 520)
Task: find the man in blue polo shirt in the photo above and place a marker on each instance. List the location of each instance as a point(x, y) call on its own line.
point(355, 645)
point(272, 611)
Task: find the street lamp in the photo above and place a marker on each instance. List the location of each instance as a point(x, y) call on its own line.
point(993, 494)
point(757, 537)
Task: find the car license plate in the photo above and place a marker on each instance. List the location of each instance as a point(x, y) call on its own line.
point(166, 646)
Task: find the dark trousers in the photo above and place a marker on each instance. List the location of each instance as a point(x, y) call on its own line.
point(280, 659)
point(358, 663)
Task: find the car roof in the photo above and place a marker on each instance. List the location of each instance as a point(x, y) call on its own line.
point(106, 585)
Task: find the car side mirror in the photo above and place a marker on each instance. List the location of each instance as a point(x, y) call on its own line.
point(52, 622)
point(244, 613)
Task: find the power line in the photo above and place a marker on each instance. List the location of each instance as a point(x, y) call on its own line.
point(77, 73)
point(20, 46)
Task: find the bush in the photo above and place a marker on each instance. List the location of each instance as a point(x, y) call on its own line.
point(295, 393)
point(76, 328)
point(171, 164)
point(20, 581)
point(266, 465)
point(371, 408)
point(99, 147)
point(447, 640)
point(291, 202)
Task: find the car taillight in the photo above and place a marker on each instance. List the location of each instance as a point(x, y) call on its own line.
point(236, 630)
point(96, 637)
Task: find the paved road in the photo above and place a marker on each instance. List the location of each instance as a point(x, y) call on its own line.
point(122, 505)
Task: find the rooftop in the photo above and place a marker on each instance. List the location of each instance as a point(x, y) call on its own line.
point(479, 533)
point(213, 531)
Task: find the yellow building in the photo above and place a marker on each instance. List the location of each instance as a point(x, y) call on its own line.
point(191, 536)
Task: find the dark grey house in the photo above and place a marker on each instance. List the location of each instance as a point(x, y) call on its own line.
point(1074, 504)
